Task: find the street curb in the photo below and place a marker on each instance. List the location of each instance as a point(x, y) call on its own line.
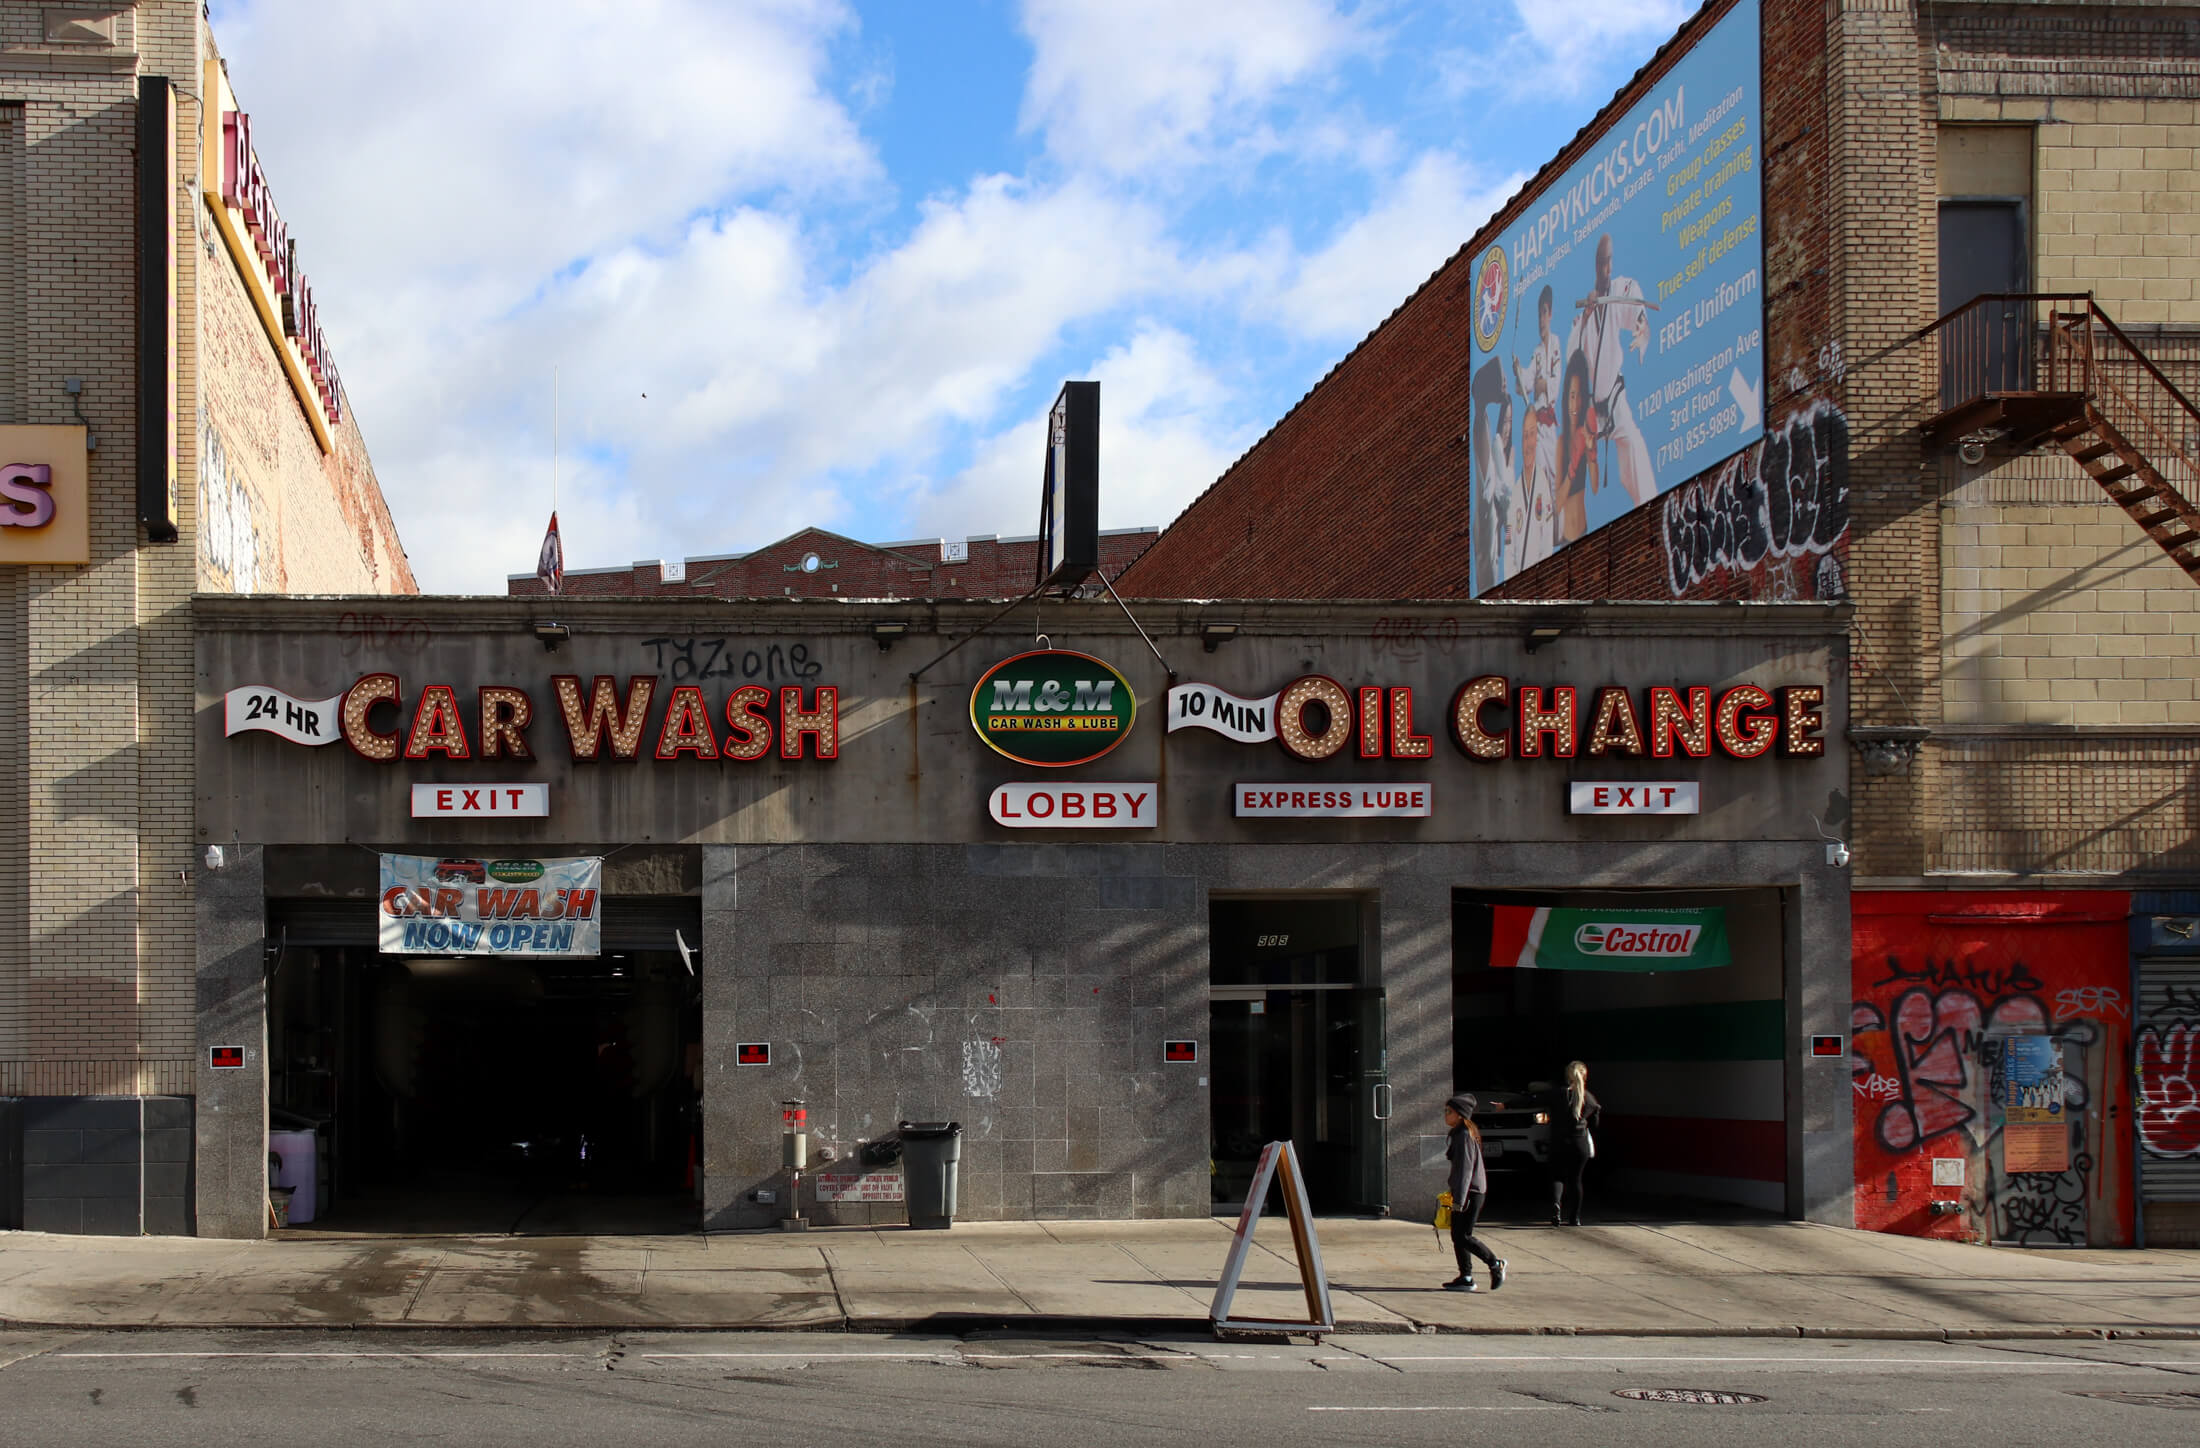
point(1056, 1325)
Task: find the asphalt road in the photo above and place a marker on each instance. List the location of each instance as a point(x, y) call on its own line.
point(333, 1391)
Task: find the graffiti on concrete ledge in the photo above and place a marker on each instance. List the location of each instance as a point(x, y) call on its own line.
point(1777, 512)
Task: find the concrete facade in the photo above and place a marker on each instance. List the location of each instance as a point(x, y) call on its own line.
point(97, 852)
point(909, 958)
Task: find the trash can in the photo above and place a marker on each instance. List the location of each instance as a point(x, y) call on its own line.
point(931, 1160)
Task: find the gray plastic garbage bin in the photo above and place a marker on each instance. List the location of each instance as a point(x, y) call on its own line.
point(931, 1160)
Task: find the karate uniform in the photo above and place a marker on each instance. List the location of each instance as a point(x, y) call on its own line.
point(1604, 333)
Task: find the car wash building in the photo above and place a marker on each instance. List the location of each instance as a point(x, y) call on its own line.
point(546, 913)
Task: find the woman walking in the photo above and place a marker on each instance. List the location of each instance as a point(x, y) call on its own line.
point(1573, 1143)
point(1469, 1184)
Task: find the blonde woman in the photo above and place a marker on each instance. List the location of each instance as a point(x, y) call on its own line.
point(1573, 1143)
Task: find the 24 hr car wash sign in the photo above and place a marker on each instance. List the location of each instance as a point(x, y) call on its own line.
point(490, 905)
point(1558, 938)
point(1052, 708)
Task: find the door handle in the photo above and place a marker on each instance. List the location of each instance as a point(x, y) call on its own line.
point(1382, 1100)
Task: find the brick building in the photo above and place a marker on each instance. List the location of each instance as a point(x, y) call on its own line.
point(816, 564)
point(1971, 418)
point(165, 381)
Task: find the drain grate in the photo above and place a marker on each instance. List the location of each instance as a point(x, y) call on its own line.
point(2147, 1400)
point(1706, 1397)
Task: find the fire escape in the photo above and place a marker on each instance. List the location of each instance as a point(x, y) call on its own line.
point(2019, 369)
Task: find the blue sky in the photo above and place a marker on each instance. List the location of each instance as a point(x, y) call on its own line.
point(799, 262)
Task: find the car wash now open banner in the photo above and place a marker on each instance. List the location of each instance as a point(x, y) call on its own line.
point(1558, 938)
point(490, 905)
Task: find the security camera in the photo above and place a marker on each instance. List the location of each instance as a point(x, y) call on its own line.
point(1972, 453)
point(1837, 855)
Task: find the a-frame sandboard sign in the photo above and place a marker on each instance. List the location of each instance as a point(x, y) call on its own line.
point(1278, 1163)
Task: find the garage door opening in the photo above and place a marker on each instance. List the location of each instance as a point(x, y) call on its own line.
point(1673, 999)
point(476, 1095)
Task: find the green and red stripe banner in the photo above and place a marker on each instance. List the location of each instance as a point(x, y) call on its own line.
point(1562, 938)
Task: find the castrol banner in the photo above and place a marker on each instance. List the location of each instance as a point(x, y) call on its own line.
point(1054, 806)
point(491, 905)
point(1203, 706)
point(1559, 938)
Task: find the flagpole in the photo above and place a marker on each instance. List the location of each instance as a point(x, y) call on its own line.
point(553, 439)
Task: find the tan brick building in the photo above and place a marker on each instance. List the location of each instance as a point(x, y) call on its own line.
point(2002, 490)
point(158, 342)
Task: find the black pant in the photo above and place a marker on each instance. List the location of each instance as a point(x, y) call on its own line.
point(1463, 1241)
point(1568, 1162)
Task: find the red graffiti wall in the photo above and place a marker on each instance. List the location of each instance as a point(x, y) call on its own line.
point(1939, 979)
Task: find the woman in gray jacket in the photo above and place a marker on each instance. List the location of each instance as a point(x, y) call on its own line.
point(1468, 1185)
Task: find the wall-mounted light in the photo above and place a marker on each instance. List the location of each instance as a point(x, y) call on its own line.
point(1887, 749)
point(214, 857)
point(1214, 635)
point(1543, 633)
point(74, 386)
point(886, 633)
point(552, 634)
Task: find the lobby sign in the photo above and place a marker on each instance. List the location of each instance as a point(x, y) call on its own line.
point(1052, 708)
point(1620, 939)
point(1077, 806)
point(44, 495)
point(481, 801)
point(491, 905)
point(1336, 802)
point(1635, 797)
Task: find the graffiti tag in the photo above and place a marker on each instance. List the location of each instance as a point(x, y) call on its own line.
point(1994, 980)
point(2169, 1089)
point(2090, 1000)
point(1786, 498)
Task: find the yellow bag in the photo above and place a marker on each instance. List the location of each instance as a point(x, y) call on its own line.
point(1443, 1212)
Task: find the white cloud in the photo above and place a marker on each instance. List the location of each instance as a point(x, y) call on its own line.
point(1571, 43)
point(1132, 86)
point(1165, 434)
point(1380, 256)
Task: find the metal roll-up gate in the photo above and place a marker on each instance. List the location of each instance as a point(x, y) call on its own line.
point(2166, 1064)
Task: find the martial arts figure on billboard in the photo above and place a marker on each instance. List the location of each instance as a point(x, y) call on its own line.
point(1539, 383)
point(1607, 322)
point(1498, 528)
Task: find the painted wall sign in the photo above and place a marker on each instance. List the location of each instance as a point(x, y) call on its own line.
point(258, 708)
point(1661, 797)
point(453, 905)
point(1334, 802)
point(237, 194)
point(858, 1186)
point(44, 512)
point(225, 1058)
point(1068, 806)
point(1620, 939)
point(1619, 316)
point(1052, 708)
point(1203, 706)
point(481, 801)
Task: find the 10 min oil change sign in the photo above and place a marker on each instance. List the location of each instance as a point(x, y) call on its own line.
point(1052, 708)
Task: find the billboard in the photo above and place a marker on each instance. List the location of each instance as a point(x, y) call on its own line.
point(1618, 318)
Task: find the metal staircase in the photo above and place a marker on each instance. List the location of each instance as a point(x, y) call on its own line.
point(2023, 368)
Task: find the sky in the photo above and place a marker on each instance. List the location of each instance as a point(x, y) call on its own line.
point(809, 262)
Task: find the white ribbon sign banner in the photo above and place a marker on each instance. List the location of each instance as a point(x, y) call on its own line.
point(301, 721)
point(1203, 706)
point(486, 905)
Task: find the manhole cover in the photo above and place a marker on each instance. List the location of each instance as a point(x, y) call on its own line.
point(1706, 1396)
point(2148, 1400)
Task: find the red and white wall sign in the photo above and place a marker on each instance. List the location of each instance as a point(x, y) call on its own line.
point(481, 801)
point(1334, 802)
point(1076, 806)
point(1654, 797)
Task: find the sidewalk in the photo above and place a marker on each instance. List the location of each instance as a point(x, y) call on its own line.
point(1775, 1278)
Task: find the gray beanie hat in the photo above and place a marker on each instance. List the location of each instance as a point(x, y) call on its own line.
point(1463, 1104)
